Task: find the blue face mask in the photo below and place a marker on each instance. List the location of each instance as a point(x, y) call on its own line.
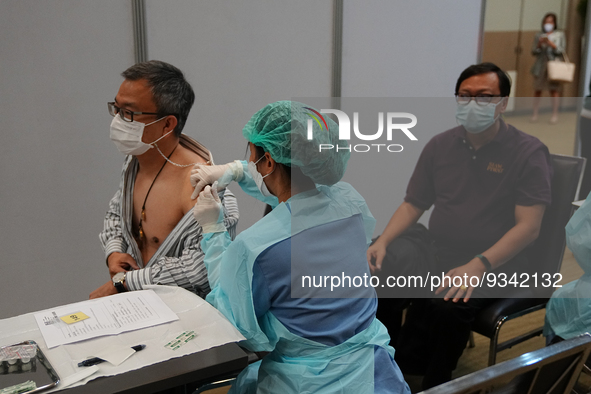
point(476, 118)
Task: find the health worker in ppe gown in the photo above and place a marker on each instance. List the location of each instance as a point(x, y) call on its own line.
point(568, 313)
point(321, 339)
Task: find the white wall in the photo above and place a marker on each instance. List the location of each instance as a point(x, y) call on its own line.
point(58, 169)
point(534, 11)
point(503, 15)
point(61, 62)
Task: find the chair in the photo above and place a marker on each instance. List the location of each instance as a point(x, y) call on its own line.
point(551, 370)
point(547, 252)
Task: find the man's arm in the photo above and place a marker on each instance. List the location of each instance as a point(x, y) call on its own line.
point(112, 239)
point(405, 216)
point(528, 220)
point(105, 290)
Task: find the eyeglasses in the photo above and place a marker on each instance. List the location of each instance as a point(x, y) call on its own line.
point(483, 99)
point(125, 114)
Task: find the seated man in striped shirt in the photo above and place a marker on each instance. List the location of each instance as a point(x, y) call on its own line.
point(150, 235)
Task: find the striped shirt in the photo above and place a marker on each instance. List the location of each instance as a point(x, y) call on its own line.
point(179, 260)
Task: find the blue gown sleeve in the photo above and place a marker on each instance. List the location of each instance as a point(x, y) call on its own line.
point(214, 245)
point(230, 278)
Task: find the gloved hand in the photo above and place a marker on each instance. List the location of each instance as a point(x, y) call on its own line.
point(208, 210)
point(202, 175)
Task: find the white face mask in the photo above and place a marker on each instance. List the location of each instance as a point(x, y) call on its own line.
point(548, 27)
point(476, 118)
point(258, 178)
point(127, 136)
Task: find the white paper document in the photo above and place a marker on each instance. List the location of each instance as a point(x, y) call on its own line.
point(104, 316)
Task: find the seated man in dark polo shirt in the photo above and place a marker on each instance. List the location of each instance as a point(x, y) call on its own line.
point(489, 184)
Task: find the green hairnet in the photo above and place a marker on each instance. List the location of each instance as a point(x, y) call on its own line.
point(281, 128)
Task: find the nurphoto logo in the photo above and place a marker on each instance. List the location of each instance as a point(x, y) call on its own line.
point(345, 130)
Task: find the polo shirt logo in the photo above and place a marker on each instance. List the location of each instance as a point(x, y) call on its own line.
point(494, 167)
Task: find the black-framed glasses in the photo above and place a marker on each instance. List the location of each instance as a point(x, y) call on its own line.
point(483, 99)
point(125, 114)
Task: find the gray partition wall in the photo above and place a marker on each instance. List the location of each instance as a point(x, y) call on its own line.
point(243, 55)
point(408, 48)
point(240, 56)
point(60, 63)
point(404, 49)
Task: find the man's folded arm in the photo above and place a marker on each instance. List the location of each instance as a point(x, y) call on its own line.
point(111, 237)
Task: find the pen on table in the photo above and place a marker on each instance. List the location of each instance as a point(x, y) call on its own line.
point(96, 360)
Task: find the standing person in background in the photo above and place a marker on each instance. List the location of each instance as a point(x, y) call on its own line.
point(547, 45)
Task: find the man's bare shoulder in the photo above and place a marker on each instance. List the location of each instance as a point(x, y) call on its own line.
point(185, 189)
point(187, 156)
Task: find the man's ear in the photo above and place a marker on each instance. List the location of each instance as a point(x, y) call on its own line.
point(503, 104)
point(169, 123)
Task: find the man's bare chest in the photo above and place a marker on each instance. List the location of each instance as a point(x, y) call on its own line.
point(157, 209)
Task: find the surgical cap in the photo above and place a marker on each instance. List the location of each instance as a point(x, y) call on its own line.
point(281, 128)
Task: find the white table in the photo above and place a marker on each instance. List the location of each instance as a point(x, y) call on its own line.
point(212, 353)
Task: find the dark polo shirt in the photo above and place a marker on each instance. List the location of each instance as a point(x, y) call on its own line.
point(474, 194)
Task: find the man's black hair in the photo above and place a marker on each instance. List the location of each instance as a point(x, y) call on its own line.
point(485, 68)
point(172, 93)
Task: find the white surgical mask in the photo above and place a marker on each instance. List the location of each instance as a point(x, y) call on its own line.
point(548, 27)
point(127, 136)
point(258, 178)
point(476, 118)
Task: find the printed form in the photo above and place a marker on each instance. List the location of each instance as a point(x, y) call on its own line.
point(104, 316)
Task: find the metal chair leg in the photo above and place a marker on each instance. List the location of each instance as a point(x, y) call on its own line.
point(492, 351)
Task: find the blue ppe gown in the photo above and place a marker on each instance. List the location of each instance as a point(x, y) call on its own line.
point(327, 341)
point(568, 313)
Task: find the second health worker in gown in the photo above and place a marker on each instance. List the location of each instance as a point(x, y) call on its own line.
point(318, 226)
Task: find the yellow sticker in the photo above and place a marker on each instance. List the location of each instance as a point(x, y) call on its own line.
point(74, 317)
